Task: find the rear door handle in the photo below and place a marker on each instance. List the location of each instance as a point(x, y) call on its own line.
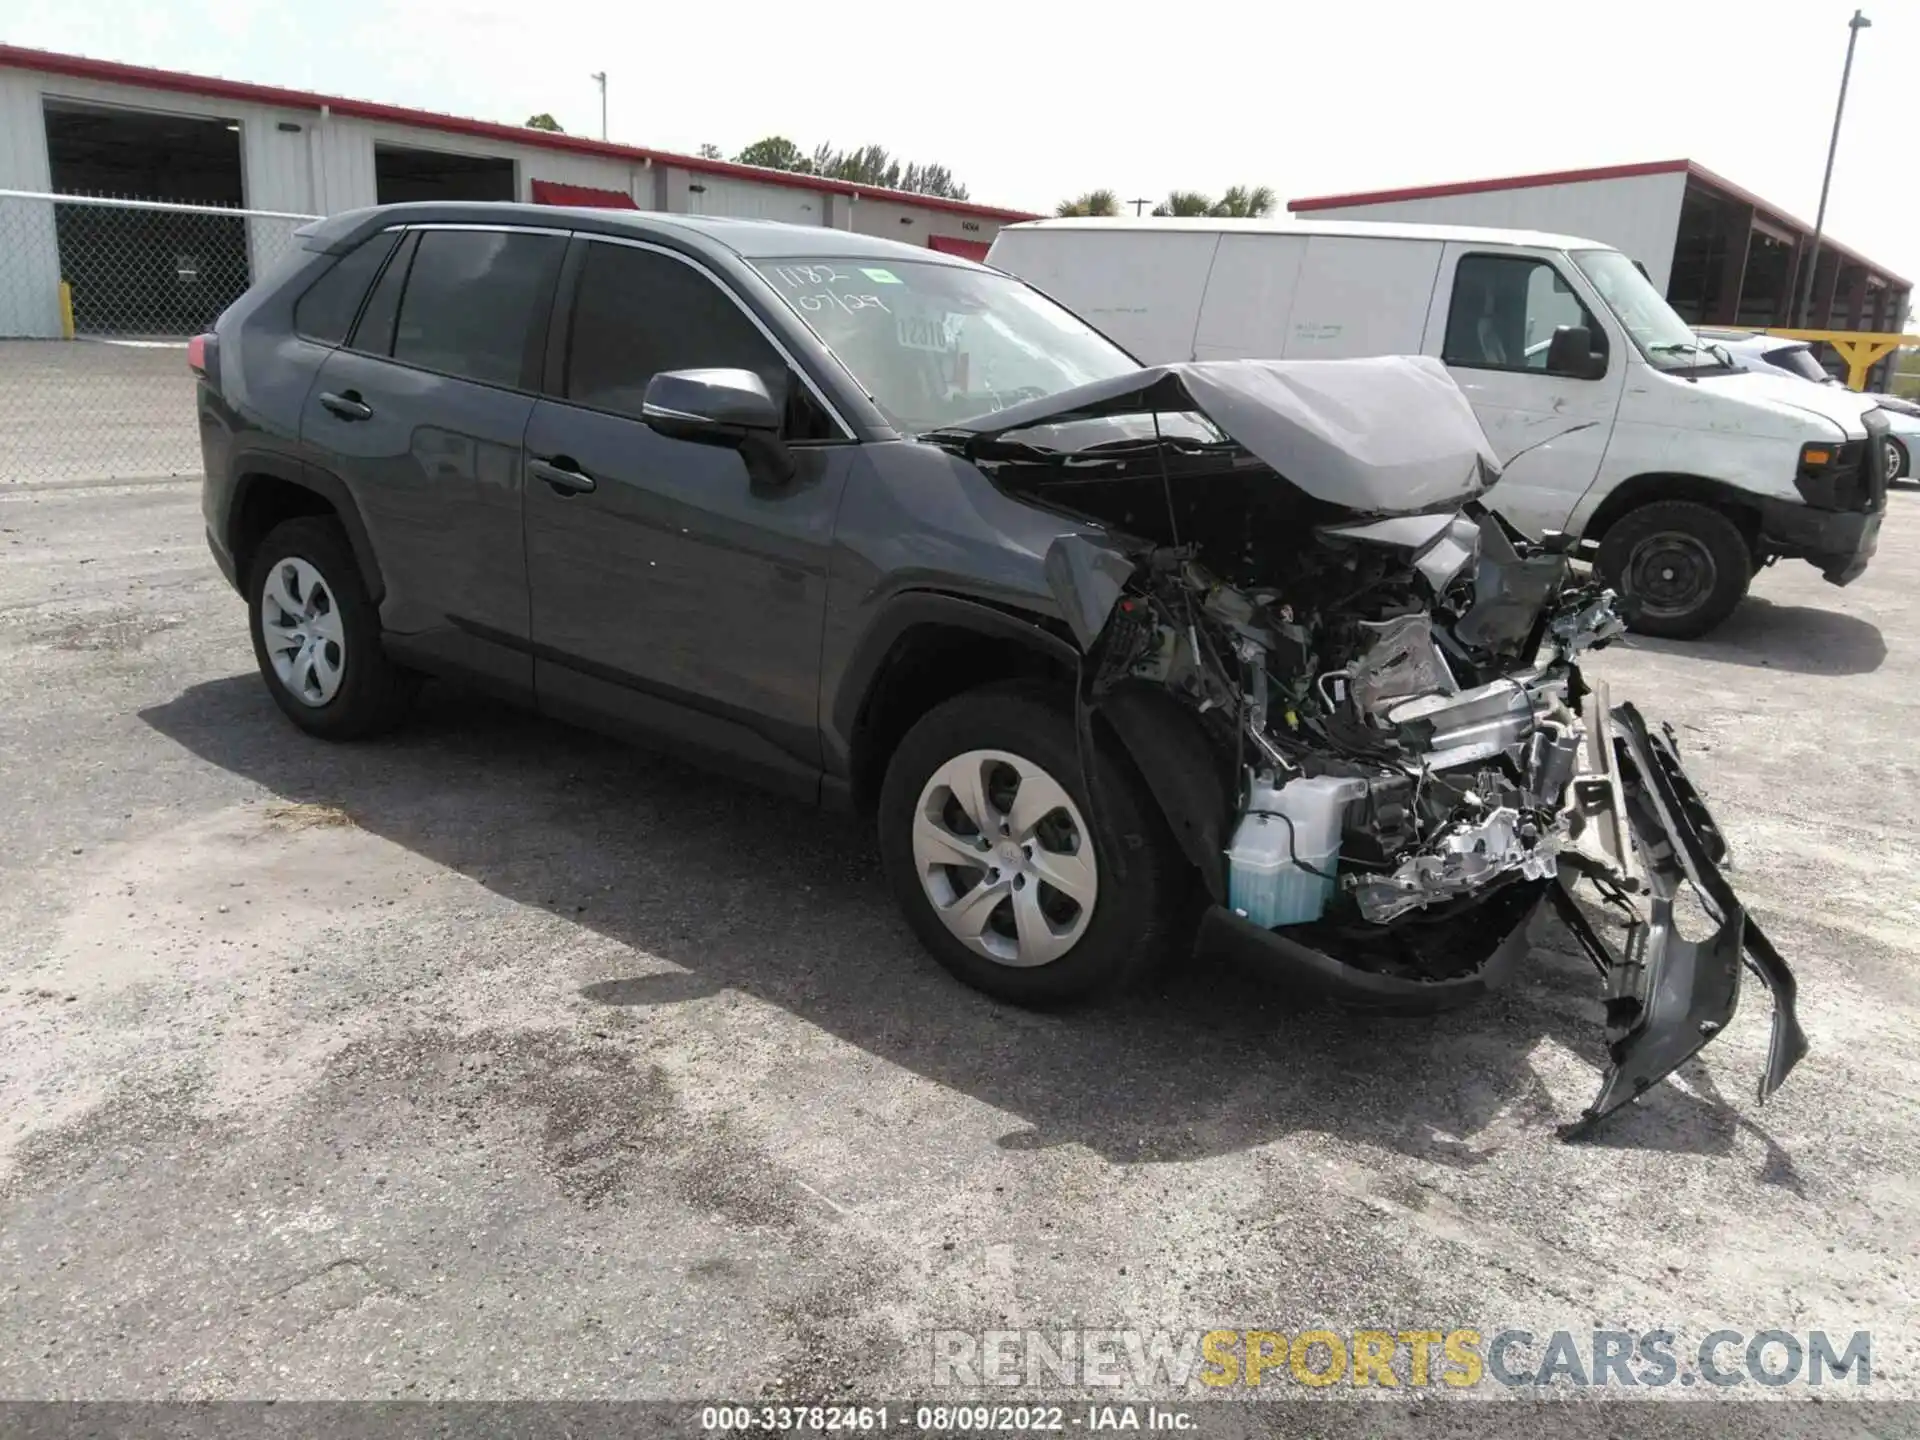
point(563, 478)
point(348, 406)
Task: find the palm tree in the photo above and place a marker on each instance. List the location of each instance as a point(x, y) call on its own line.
point(1094, 202)
point(1185, 202)
point(1243, 203)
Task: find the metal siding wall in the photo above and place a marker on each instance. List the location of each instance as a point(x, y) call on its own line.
point(745, 199)
point(1638, 215)
point(883, 218)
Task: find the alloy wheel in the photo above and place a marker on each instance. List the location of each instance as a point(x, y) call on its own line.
point(1005, 858)
point(300, 623)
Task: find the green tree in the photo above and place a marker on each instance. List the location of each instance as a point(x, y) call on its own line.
point(776, 152)
point(1093, 202)
point(544, 121)
point(711, 152)
point(1185, 202)
point(1245, 203)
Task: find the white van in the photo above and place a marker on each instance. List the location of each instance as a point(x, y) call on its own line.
point(1585, 380)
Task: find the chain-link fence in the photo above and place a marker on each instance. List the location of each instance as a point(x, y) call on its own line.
point(97, 299)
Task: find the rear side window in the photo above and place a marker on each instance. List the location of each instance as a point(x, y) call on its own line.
point(326, 312)
point(374, 333)
point(476, 304)
point(638, 312)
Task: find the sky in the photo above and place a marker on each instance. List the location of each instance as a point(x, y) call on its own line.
point(1034, 103)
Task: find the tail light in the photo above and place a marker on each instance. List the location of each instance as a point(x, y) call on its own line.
point(203, 357)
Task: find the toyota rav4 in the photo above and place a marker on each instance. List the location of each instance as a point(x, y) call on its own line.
point(885, 529)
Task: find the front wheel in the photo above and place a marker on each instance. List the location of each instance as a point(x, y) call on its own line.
point(1680, 567)
point(1006, 873)
point(1899, 462)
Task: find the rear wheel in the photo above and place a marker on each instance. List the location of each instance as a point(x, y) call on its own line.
point(316, 634)
point(1008, 876)
point(1899, 462)
point(1680, 566)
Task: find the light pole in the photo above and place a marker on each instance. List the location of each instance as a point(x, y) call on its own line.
point(1139, 206)
point(1854, 27)
point(599, 77)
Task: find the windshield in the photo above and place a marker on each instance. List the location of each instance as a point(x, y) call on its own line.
point(1664, 338)
point(934, 344)
point(1798, 360)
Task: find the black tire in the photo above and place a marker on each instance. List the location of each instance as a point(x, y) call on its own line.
point(1680, 567)
point(374, 694)
point(1902, 467)
point(1133, 919)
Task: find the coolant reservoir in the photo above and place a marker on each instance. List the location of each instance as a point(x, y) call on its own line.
point(1300, 821)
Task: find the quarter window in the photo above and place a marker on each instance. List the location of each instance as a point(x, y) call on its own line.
point(1505, 310)
point(476, 304)
point(326, 312)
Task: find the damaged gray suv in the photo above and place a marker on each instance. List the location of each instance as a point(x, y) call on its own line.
point(884, 529)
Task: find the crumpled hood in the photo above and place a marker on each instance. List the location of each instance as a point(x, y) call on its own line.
point(1391, 435)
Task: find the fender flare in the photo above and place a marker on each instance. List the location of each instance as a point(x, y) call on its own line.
point(931, 607)
point(1164, 743)
point(252, 465)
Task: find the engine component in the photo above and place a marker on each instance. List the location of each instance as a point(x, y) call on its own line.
point(1466, 858)
point(1401, 663)
point(1474, 725)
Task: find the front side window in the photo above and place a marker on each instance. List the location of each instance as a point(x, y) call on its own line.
point(476, 304)
point(327, 311)
point(1666, 340)
point(935, 344)
point(1505, 310)
point(638, 312)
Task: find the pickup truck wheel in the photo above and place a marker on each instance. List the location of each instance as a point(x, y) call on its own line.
point(1005, 872)
point(1680, 566)
point(316, 634)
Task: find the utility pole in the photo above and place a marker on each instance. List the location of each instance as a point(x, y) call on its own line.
point(1139, 206)
point(600, 78)
point(1854, 27)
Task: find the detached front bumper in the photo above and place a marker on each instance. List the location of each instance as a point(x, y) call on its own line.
point(1666, 997)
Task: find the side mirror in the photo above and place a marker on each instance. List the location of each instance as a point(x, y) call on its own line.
point(710, 407)
point(1571, 353)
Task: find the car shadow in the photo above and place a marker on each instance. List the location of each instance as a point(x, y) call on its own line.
point(785, 903)
point(1770, 636)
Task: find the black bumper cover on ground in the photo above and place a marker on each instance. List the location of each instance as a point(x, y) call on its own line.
point(1667, 997)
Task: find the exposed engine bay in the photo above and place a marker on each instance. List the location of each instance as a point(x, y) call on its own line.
point(1398, 763)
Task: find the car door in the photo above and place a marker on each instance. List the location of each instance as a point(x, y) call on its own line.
point(422, 415)
point(1493, 317)
point(677, 593)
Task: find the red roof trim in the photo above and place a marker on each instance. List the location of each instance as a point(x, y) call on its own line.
point(1481, 187)
point(81, 67)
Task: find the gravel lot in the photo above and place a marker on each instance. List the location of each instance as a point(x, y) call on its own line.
point(499, 1061)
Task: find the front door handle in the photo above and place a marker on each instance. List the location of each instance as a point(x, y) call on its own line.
point(348, 406)
point(564, 478)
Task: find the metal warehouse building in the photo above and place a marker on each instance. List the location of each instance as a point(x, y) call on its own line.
point(78, 127)
point(1723, 255)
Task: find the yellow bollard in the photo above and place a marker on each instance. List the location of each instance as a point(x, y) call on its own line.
point(66, 311)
